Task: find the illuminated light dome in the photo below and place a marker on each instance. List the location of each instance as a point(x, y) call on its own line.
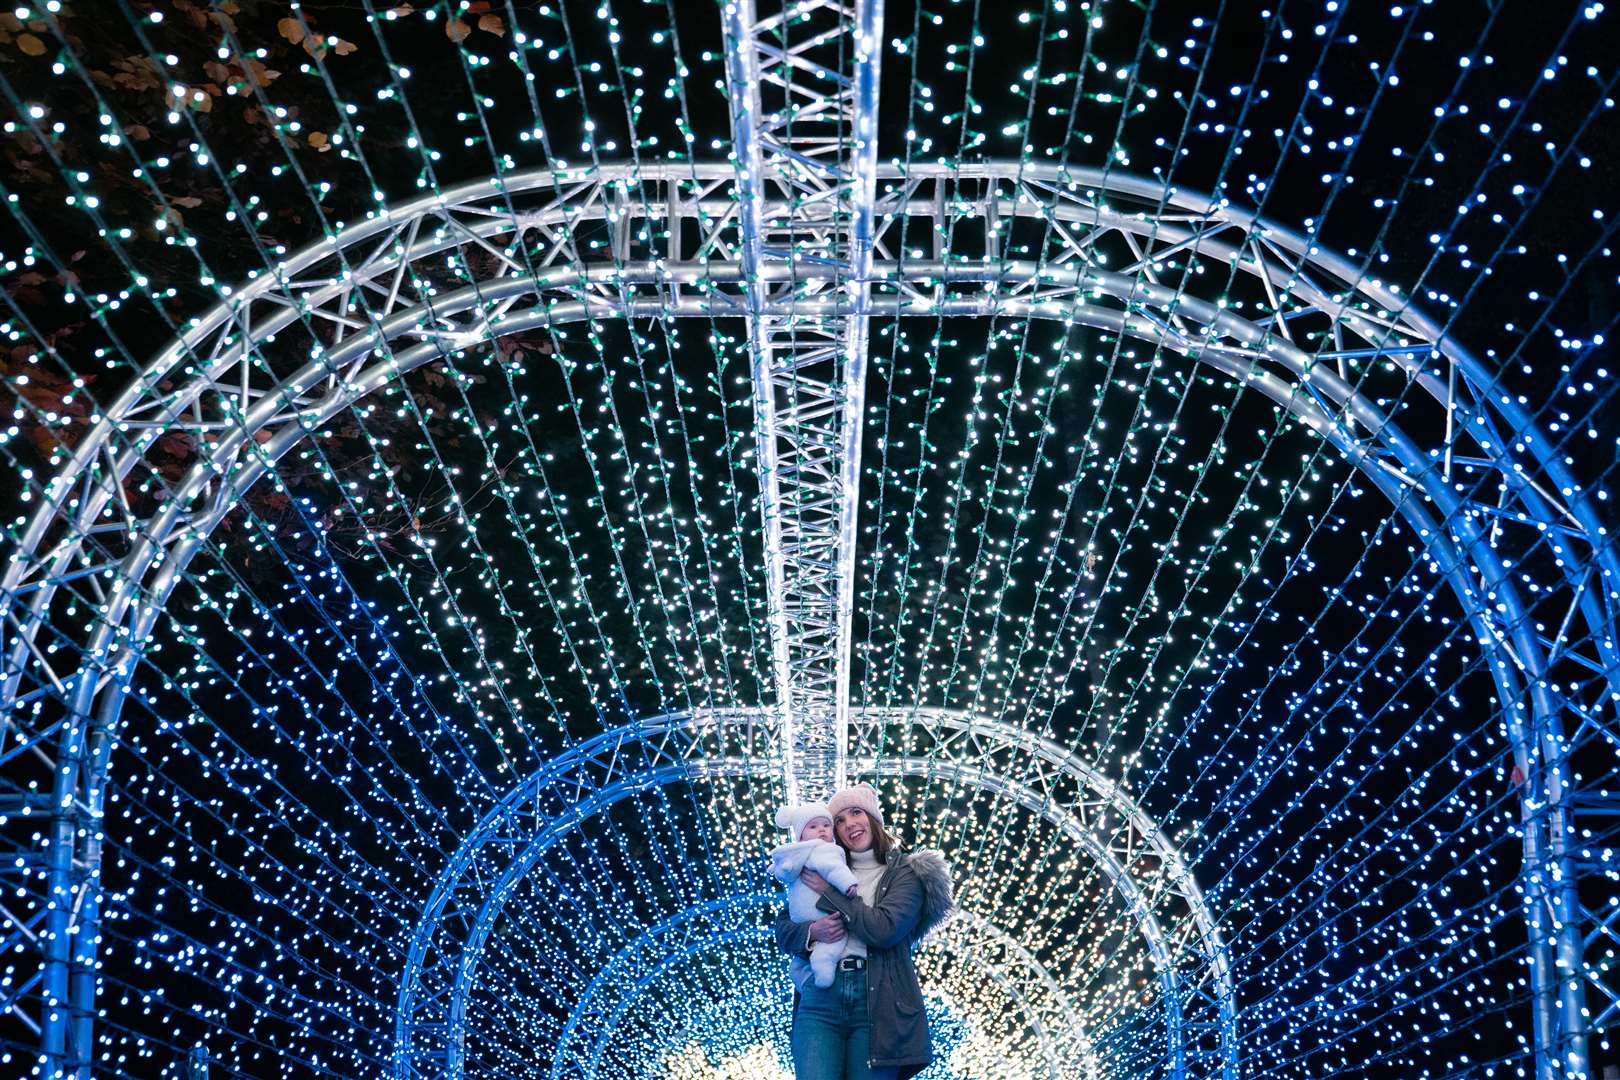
point(474, 462)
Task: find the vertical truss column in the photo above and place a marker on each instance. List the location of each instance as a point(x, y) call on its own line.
point(804, 94)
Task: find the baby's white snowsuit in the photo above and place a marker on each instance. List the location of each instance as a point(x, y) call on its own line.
point(825, 859)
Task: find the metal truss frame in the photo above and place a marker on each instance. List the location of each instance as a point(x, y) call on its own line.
point(1463, 460)
point(804, 91)
point(1154, 884)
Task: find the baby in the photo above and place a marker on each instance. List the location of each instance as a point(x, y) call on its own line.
point(812, 849)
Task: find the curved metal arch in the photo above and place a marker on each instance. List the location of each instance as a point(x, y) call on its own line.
point(1070, 1055)
point(546, 807)
point(1038, 774)
point(1046, 779)
point(1064, 1044)
point(322, 284)
point(754, 1006)
point(690, 930)
point(666, 961)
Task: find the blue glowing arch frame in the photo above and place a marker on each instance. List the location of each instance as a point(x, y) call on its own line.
point(1037, 774)
point(1064, 1043)
point(1482, 426)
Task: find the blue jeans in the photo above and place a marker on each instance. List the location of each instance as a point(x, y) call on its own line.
point(832, 1037)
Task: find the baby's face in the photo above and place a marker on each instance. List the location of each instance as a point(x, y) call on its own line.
point(818, 829)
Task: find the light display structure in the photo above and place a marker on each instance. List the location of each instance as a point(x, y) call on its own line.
point(1375, 325)
point(1488, 483)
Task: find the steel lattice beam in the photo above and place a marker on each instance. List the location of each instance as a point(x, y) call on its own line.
point(804, 92)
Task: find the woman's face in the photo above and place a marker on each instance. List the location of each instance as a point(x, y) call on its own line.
point(854, 829)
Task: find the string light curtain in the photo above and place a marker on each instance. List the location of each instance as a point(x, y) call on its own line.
point(388, 651)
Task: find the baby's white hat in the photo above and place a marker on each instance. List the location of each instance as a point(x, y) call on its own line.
point(795, 818)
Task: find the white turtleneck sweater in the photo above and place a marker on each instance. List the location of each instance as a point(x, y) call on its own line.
point(867, 870)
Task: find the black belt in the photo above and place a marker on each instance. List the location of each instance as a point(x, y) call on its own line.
point(852, 963)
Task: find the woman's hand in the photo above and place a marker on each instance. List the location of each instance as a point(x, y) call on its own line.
point(830, 928)
point(814, 880)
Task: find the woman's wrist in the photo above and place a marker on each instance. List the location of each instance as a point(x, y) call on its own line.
point(837, 901)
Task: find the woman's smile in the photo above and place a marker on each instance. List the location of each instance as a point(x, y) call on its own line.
point(854, 828)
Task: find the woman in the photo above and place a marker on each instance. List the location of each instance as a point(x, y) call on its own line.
point(869, 1024)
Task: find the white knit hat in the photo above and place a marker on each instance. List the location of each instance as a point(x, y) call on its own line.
point(795, 818)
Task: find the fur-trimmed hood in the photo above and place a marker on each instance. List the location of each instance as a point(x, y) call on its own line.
point(938, 903)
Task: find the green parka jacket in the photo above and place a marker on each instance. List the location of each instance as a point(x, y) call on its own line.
point(894, 1000)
